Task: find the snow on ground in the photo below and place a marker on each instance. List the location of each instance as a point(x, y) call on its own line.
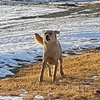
point(17, 46)
point(10, 98)
point(37, 97)
point(10, 12)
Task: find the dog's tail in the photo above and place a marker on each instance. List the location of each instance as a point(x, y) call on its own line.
point(38, 39)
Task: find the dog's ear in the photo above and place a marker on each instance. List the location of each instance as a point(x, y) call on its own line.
point(57, 32)
point(38, 39)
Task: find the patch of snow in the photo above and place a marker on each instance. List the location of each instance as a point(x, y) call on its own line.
point(4, 72)
point(11, 98)
point(18, 11)
point(92, 77)
point(38, 97)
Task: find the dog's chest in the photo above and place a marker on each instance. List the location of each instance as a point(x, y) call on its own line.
point(52, 53)
point(51, 60)
point(52, 50)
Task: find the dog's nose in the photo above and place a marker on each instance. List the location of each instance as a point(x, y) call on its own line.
point(47, 37)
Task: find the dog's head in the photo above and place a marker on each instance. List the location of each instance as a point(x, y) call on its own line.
point(50, 36)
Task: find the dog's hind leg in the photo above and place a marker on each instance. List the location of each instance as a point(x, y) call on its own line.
point(61, 70)
point(49, 70)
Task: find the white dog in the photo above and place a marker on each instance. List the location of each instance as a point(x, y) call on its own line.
point(52, 52)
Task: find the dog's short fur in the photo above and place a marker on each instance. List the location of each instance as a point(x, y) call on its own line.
point(52, 52)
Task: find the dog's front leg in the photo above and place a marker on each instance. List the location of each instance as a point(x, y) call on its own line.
point(55, 71)
point(42, 71)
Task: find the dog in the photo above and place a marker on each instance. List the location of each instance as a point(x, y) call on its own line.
point(52, 52)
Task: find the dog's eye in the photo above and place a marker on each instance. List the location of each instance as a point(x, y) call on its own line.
point(45, 33)
point(50, 33)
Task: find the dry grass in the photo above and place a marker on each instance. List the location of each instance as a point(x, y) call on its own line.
point(79, 70)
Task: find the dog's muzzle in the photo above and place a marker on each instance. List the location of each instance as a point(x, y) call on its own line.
point(47, 37)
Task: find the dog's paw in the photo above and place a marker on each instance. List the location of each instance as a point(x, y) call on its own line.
point(62, 74)
point(40, 79)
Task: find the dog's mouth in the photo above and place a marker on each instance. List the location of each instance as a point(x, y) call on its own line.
point(47, 37)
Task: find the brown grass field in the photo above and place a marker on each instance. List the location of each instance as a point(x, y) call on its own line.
point(81, 82)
